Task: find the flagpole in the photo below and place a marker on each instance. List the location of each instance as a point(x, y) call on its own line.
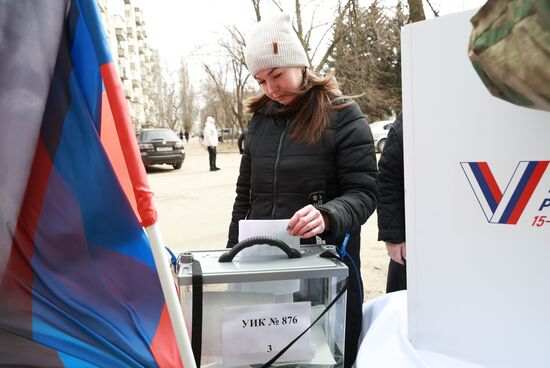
point(172, 302)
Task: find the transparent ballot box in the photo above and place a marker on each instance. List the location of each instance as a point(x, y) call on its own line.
point(244, 311)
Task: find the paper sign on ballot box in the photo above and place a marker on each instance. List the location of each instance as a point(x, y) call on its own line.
point(256, 333)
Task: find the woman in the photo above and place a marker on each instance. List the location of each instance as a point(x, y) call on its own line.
point(309, 155)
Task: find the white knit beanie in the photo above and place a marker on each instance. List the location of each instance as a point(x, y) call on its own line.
point(272, 43)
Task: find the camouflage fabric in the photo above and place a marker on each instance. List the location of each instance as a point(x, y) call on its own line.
point(510, 50)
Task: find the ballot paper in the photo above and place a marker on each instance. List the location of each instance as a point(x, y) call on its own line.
point(273, 228)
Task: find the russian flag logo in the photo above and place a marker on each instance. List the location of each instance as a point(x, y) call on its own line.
point(504, 207)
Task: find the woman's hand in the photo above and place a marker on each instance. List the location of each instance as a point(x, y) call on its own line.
point(397, 252)
point(307, 222)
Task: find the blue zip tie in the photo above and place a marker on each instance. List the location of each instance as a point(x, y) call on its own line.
point(173, 259)
point(342, 252)
point(344, 246)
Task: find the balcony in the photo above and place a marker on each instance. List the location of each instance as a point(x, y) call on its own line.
point(130, 32)
point(121, 52)
point(123, 74)
point(129, 93)
point(120, 34)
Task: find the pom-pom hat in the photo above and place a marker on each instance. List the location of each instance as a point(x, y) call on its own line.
point(272, 43)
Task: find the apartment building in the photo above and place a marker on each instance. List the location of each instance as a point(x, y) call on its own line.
point(135, 60)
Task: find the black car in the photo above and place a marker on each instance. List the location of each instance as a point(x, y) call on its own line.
point(160, 146)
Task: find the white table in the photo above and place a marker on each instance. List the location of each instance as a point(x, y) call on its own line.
point(384, 340)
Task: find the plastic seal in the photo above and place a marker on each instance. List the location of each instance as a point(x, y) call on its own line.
point(185, 257)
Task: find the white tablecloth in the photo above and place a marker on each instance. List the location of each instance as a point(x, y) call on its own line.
point(384, 342)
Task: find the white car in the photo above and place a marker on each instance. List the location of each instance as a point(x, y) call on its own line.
point(380, 131)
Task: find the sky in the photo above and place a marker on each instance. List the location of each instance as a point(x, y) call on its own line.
point(191, 29)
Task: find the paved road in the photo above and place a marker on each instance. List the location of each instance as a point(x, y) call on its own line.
point(194, 207)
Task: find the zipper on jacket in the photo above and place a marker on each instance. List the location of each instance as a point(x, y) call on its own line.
point(275, 189)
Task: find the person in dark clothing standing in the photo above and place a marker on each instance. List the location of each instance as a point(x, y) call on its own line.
point(186, 135)
point(240, 141)
point(308, 156)
point(391, 206)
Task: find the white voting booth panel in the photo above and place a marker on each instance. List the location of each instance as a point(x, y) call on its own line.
point(477, 207)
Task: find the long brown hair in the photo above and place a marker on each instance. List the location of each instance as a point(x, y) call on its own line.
point(317, 98)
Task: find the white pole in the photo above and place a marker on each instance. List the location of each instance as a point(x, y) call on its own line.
point(172, 302)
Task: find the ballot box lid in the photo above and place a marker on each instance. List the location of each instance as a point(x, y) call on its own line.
point(261, 268)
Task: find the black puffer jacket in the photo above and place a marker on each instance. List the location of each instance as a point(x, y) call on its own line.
point(278, 176)
point(391, 208)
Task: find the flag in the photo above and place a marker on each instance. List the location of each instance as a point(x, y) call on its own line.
point(78, 282)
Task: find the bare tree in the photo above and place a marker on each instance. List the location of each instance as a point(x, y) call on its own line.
point(235, 49)
point(216, 89)
point(230, 82)
point(154, 90)
point(338, 33)
point(162, 96)
point(229, 97)
point(173, 107)
point(186, 100)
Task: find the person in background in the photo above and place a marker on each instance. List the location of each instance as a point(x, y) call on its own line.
point(186, 135)
point(240, 141)
point(211, 141)
point(180, 134)
point(391, 206)
point(309, 156)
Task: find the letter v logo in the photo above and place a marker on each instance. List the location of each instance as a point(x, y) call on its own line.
point(504, 207)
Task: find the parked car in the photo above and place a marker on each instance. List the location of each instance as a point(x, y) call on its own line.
point(226, 134)
point(380, 130)
point(160, 146)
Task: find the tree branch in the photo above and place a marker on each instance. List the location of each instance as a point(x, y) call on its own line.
point(256, 5)
point(436, 13)
point(337, 36)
